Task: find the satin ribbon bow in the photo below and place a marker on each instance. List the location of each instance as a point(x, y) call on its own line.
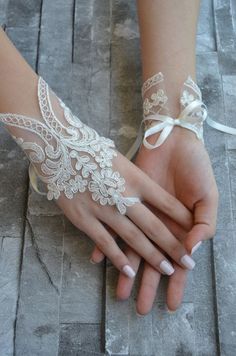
point(191, 117)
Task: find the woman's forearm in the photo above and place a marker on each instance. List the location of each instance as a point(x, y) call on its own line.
point(18, 89)
point(168, 36)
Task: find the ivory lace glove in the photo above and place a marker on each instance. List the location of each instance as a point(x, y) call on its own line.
point(66, 154)
point(156, 116)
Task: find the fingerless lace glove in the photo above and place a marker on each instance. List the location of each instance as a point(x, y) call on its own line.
point(66, 154)
point(156, 117)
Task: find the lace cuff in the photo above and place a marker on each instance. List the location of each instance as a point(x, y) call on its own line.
point(156, 117)
point(66, 154)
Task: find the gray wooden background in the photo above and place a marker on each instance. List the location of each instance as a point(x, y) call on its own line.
point(52, 300)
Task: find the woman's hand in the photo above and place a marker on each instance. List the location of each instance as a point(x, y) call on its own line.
point(181, 165)
point(138, 227)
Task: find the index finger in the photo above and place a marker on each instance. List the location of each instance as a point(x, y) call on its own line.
point(159, 198)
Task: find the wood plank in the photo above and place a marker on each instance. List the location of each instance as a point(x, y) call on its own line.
point(126, 105)
point(140, 330)
point(10, 252)
point(225, 244)
point(55, 47)
point(225, 35)
point(173, 334)
point(37, 325)
point(83, 339)
point(229, 82)
point(224, 241)
point(82, 281)
point(3, 11)
point(225, 278)
point(204, 302)
point(233, 6)
point(227, 62)
point(206, 41)
point(23, 13)
point(91, 64)
point(116, 317)
point(13, 192)
point(215, 141)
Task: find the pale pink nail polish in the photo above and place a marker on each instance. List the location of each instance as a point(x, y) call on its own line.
point(140, 315)
point(167, 267)
point(91, 261)
point(170, 311)
point(196, 247)
point(188, 262)
point(128, 271)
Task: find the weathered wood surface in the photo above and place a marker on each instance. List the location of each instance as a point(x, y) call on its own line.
point(52, 300)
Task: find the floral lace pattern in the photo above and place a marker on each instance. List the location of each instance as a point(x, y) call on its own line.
point(155, 105)
point(69, 156)
point(156, 100)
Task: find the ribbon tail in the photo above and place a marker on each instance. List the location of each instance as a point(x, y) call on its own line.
point(135, 146)
point(34, 179)
point(220, 127)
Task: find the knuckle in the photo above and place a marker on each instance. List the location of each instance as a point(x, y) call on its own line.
point(131, 233)
point(80, 212)
point(149, 285)
point(152, 229)
point(117, 257)
point(175, 249)
point(169, 204)
point(211, 231)
point(154, 257)
point(102, 241)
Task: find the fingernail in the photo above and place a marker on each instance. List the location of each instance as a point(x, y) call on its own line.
point(170, 311)
point(188, 262)
point(167, 268)
point(140, 315)
point(196, 247)
point(128, 271)
point(92, 261)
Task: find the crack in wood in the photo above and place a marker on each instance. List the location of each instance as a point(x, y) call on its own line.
point(39, 257)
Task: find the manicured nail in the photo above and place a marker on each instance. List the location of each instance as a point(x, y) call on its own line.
point(140, 315)
point(92, 261)
point(188, 262)
point(170, 311)
point(128, 271)
point(196, 247)
point(167, 268)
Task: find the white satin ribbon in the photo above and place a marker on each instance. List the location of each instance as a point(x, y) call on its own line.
point(34, 179)
point(187, 118)
point(221, 127)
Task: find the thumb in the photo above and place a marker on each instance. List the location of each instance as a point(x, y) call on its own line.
point(204, 227)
